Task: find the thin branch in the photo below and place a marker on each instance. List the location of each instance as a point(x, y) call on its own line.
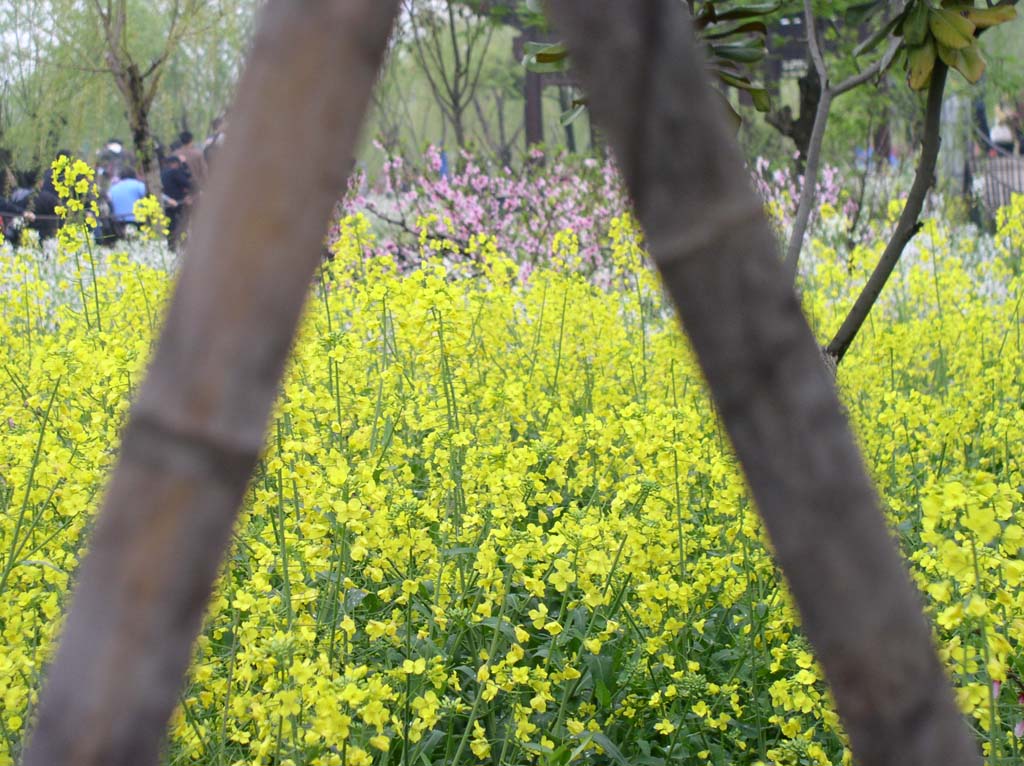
point(814, 44)
point(879, 66)
point(810, 184)
point(812, 167)
point(909, 221)
point(431, 60)
point(456, 53)
point(474, 80)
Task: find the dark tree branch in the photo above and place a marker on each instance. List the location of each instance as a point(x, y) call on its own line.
point(814, 44)
point(908, 224)
point(876, 69)
point(452, 83)
point(198, 425)
point(707, 233)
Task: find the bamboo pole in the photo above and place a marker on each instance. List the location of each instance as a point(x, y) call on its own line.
point(196, 431)
point(708, 235)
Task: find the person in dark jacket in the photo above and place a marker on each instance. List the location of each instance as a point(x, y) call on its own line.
point(177, 185)
point(193, 157)
point(44, 208)
point(24, 188)
point(9, 212)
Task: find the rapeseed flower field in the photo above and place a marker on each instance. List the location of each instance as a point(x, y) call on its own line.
point(497, 521)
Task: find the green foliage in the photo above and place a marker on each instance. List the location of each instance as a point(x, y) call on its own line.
point(55, 86)
point(734, 33)
point(948, 32)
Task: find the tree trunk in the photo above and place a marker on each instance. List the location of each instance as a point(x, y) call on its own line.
point(598, 146)
point(707, 232)
point(198, 425)
point(145, 150)
point(803, 127)
point(800, 129)
point(142, 136)
point(504, 147)
point(565, 102)
point(533, 93)
point(459, 125)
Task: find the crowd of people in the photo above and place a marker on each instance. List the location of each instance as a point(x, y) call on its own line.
point(29, 198)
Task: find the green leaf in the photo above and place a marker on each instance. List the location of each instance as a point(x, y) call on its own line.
point(551, 67)
point(545, 58)
point(735, 80)
point(859, 14)
point(736, 52)
point(554, 50)
point(570, 116)
point(879, 35)
point(609, 747)
point(534, 747)
point(737, 28)
point(761, 98)
point(501, 626)
point(751, 10)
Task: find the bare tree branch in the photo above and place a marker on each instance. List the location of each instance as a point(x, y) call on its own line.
point(198, 425)
point(453, 79)
point(861, 77)
point(707, 232)
point(814, 44)
point(808, 192)
point(909, 221)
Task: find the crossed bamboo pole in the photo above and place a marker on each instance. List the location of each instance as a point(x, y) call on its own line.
point(198, 425)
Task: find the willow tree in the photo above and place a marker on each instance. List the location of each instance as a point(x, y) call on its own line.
point(137, 42)
point(202, 75)
point(38, 92)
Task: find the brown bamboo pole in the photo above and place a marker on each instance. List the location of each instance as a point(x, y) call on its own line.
point(198, 425)
point(708, 235)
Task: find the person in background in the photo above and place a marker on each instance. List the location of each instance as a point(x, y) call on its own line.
point(9, 211)
point(177, 183)
point(8, 214)
point(193, 157)
point(1002, 138)
point(214, 141)
point(110, 163)
point(123, 195)
point(47, 179)
point(1016, 121)
point(25, 183)
point(45, 202)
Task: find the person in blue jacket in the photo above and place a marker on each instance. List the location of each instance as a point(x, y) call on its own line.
point(123, 195)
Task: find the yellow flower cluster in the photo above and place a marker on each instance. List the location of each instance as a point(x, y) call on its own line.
point(1010, 236)
point(74, 182)
point(153, 222)
point(499, 522)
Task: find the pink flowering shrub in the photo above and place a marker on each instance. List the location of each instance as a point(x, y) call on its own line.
point(780, 189)
point(451, 200)
point(522, 209)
